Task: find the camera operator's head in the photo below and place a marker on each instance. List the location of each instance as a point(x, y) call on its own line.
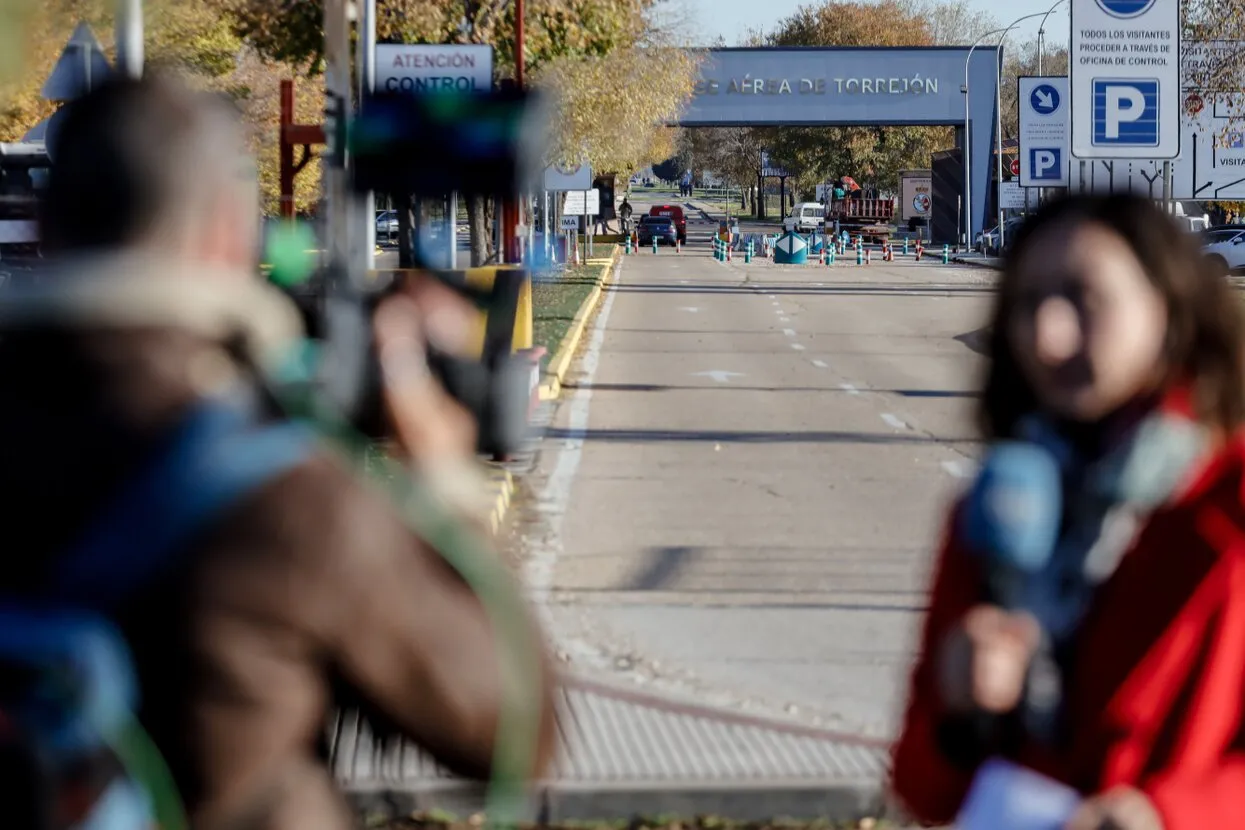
point(153, 165)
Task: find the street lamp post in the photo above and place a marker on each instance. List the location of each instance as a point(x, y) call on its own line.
point(1041, 50)
point(998, 107)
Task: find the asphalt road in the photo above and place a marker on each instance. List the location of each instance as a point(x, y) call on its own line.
point(741, 489)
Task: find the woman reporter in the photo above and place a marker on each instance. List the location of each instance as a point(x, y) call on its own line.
point(1116, 346)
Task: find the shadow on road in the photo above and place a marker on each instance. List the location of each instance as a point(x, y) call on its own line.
point(873, 290)
point(650, 387)
point(656, 436)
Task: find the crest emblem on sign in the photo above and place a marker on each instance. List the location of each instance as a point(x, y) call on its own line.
point(1125, 8)
point(920, 203)
point(567, 169)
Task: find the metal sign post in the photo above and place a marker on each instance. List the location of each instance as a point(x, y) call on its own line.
point(129, 37)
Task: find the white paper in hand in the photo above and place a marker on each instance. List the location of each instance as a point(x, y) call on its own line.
point(1005, 796)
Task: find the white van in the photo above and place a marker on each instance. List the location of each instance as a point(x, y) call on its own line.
point(806, 217)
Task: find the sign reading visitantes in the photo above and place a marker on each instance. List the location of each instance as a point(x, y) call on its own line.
point(1125, 79)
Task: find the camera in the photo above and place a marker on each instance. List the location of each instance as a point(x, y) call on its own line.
point(430, 145)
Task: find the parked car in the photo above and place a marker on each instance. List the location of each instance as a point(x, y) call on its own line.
point(1227, 245)
point(386, 224)
point(676, 215)
point(988, 241)
point(660, 228)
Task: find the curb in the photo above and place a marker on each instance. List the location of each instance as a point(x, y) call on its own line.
point(560, 364)
point(976, 263)
point(502, 486)
point(592, 787)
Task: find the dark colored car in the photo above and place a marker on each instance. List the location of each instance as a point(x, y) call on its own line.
point(676, 215)
point(657, 227)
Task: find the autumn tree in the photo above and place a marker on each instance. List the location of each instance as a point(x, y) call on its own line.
point(194, 38)
point(596, 57)
point(870, 154)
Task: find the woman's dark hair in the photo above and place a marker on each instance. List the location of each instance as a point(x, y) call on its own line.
point(1204, 344)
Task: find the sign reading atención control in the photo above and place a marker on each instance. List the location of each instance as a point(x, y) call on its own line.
point(405, 67)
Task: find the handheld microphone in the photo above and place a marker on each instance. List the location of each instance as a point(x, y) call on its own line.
point(1011, 520)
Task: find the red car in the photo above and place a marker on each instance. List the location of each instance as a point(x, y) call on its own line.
point(675, 214)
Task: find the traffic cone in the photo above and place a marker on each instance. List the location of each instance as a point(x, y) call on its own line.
point(678, 246)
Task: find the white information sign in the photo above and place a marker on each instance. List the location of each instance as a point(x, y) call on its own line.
point(582, 203)
point(1045, 151)
point(570, 223)
point(568, 177)
point(1012, 196)
point(410, 67)
point(1125, 79)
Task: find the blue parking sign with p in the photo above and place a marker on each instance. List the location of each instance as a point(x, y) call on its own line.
point(1126, 112)
point(1045, 163)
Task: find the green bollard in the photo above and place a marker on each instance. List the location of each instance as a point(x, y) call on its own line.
point(654, 244)
point(946, 254)
point(905, 246)
point(860, 255)
point(628, 250)
point(830, 256)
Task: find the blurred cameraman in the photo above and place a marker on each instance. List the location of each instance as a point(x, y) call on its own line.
point(313, 584)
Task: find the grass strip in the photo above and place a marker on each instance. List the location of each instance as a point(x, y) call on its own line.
point(556, 299)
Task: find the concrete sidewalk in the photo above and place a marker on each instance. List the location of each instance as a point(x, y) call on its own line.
point(625, 753)
point(979, 261)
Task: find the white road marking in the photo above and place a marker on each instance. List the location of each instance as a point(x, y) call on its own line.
point(718, 375)
point(893, 421)
point(849, 389)
point(689, 308)
point(956, 469)
point(540, 570)
point(789, 332)
point(821, 364)
point(799, 347)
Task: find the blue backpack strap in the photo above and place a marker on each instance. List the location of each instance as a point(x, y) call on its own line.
point(216, 457)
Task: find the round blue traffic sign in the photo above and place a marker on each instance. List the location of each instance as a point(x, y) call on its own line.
point(1125, 8)
point(1044, 99)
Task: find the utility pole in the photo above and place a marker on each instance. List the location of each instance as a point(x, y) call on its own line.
point(365, 70)
point(337, 199)
point(511, 250)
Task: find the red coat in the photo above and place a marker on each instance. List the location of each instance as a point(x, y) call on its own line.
point(1156, 690)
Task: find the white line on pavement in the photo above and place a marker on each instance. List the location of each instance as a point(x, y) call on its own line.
point(820, 364)
point(542, 564)
point(849, 389)
point(893, 421)
point(789, 332)
point(956, 469)
point(799, 347)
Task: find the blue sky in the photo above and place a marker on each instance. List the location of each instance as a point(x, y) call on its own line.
point(732, 18)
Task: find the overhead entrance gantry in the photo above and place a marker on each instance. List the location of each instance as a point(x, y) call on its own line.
point(862, 87)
